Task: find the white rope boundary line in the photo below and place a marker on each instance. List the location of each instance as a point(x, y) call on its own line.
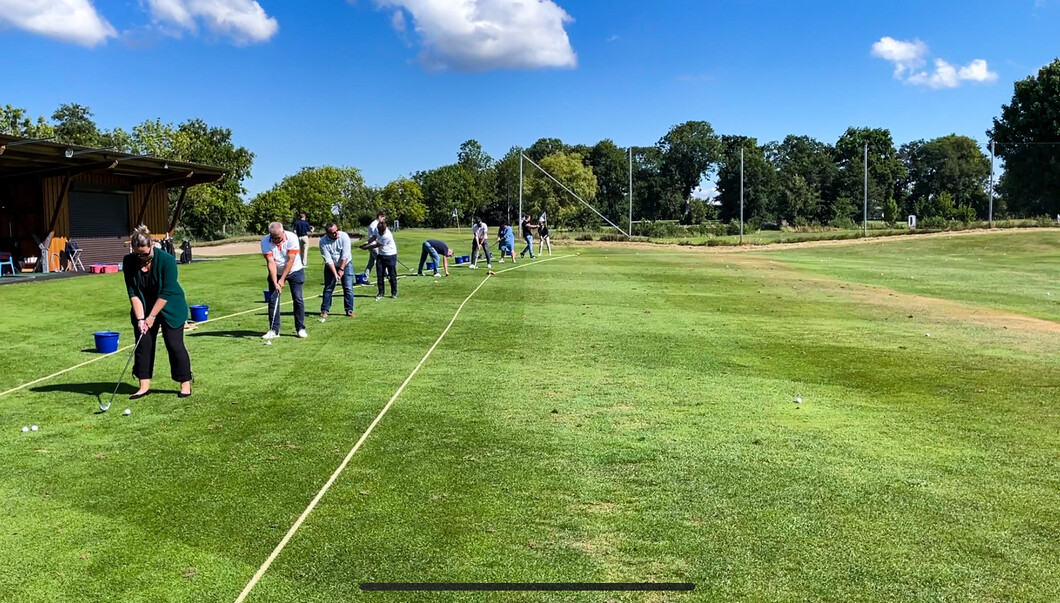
point(334, 476)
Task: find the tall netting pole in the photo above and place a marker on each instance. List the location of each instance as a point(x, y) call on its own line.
point(631, 193)
point(990, 215)
point(865, 216)
point(741, 196)
point(520, 218)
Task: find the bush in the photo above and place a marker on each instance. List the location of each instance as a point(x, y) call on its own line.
point(933, 223)
point(842, 223)
point(584, 237)
point(965, 215)
point(607, 236)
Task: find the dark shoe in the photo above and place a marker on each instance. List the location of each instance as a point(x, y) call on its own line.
point(138, 396)
point(183, 395)
point(393, 296)
point(349, 315)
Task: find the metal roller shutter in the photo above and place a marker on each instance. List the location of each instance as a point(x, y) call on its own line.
point(98, 214)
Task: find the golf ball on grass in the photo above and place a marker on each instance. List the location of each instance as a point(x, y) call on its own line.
point(25, 429)
point(127, 412)
point(34, 428)
point(798, 400)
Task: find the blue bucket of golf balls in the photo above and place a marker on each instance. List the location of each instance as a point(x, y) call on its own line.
point(106, 341)
point(430, 266)
point(200, 313)
point(361, 279)
point(459, 259)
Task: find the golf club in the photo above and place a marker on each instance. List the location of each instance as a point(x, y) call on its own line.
point(105, 408)
point(404, 266)
point(272, 315)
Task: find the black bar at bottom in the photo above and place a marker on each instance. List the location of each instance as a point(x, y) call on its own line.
point(526, 586)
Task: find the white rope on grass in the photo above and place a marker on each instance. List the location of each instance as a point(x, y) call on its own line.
point(334, 476)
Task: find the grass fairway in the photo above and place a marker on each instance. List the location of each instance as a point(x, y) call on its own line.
point(622, 415)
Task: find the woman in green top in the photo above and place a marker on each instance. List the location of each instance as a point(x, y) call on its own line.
point(157, 303)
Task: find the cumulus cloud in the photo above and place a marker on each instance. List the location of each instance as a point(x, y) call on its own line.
point(909, 57)
point(906, 56)
point(481, 35)
point(68, 20)
point(243, 21)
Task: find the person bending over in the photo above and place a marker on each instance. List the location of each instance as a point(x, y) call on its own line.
point(435, 249)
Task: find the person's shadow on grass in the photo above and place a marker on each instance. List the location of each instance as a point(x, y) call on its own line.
point(237, 334)
point(96, 390)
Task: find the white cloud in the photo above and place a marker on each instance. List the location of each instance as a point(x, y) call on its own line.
point(397, 21)
point(244, 21)
point(69, 20)
point(480, 35)
point(908, 57)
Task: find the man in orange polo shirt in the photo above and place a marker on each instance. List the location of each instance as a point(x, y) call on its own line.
point(283, 258)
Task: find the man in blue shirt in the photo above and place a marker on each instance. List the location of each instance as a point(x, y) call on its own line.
point(302, 229)
point(435, 248)
point(337, 252)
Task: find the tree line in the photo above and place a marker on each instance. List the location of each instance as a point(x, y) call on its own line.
point(798, 180)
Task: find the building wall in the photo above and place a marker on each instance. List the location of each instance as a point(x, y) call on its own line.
point(156, 214)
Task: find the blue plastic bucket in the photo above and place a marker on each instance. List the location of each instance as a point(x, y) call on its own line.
point(467, 258)
point(106, 341)
point(430, 266)
point(200, 313)
point(459, 259)
point(361, 279)
point(267, 296)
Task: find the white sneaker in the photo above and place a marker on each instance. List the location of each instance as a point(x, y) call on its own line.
point(502, 260)
point(270, 335)
point(489, 266)
point(472, 267)
point(302, 334)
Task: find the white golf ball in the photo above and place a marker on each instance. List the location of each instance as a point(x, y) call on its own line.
point(128, 411)
point(34, 428)
point(798, 400)
point(25, 429)
point(927, 334)
point(267, 342)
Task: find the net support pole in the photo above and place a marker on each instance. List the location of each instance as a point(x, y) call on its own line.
point(865, 207)
point(630, 192)
point(520, 217)
point(990, 215)
point(741, 196)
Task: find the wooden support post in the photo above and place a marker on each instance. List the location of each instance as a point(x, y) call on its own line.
point(143, 206)
point(176, 212)
point(59, 205)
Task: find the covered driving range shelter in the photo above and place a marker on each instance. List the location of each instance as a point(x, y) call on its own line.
point(52, 193)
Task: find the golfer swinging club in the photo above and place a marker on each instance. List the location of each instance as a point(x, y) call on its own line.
point(284, 261)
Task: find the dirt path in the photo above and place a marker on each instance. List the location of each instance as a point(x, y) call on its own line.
point(722, 249)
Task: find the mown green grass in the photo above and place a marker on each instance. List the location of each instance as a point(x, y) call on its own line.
point(620, 415)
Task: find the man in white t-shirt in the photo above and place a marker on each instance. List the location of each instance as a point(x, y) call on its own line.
point(373, 234)
point(387, 260)
point(479, 242)
point(284, 261)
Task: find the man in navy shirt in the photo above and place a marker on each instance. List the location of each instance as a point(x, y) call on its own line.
point(435, 248)
point(302, 229)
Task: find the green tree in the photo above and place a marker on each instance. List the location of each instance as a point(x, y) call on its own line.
point(445, 189)
point(610, 164)
point(655, 197)
point(689, 151)
point(543, 195)
point(814, 162)
point(886, 170)
point(402, 200)
point(273, 205)
point(891, 212)
point(760, 181)
point(15, 121)
point(545, 147)
point(952, 164)
point(74, 125)
point(1027, 138)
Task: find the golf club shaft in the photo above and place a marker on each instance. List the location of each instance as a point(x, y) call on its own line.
point(122, 377)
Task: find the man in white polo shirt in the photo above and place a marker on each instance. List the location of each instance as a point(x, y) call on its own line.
point(373, 234)
point(284, 261)
point(480, 244)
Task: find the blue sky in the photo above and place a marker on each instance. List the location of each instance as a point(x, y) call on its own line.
point(394, 86)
